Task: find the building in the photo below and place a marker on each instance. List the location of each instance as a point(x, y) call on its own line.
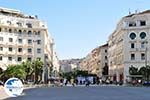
point(96, 62)
point(129, 45)
point(56, 65)
point(103, 68)
point(69, 65)
point(22, 38)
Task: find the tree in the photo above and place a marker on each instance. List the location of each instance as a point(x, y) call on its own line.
point(38, 69)
point(28, 69)
point(142, 71)
point(133, 70)
point(15, 71)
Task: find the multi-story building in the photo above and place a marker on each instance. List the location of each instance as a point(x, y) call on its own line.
point(129, 45)
point(103, 56)
point(96, 62)
point(22, 38)
point(56, 65)
point(69, 65)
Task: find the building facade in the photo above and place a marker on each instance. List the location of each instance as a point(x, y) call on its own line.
point(103, 68)
point(96, 62)
point(56, 65)
point(22, 38)
point(69, 65)
point(129, 45)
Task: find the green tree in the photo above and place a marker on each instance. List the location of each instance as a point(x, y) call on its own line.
point(38, 69)
point(142, 71)
point(28, 69)
point(15, 71)
point(133, 70)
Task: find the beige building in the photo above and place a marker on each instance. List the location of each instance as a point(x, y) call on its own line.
point(56, 65)
point(69, 65)
point(129, 45)
point(96, 61)
point(22, 38)
point(103, 56)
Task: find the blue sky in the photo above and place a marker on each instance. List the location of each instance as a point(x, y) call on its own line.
point(78, 26)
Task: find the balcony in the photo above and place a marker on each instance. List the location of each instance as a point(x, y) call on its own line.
point(133, 49)
point(142, 49)
point(11, 53)
point(2, 52)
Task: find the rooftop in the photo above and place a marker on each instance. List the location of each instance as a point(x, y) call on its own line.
point(15, 13)
point(139, 13)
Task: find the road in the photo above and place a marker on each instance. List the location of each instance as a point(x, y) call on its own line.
point(86, 93)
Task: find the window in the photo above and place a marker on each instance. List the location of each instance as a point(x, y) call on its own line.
point(10, 58)
point(29, 50)
point(29, 25)
point(10, 39)
point(142, 35)
point(105, 51)
point(38, 58)
point(19, 59)
point(1, 38)
point(132, 36)
point(10, 49)
point(29, 59)
point(5, 29)
point(19, 24)
point(105, 57)
point(10, 30)
point(1, 58)
point(142, 56)
point(9, 22)
point(142, 23)
point(24, 31)
point(132, 24)
point(38, 50)
point(0, 29)
point(15, 30)
point(142, 44)
point(29, 33)
point(29, 41)
point(38, 33)
point(1, 48)
point(132, 45)
point(19, 49)
point(20, 32)
point(19, 40)
point(132, 56)
point(38, 41)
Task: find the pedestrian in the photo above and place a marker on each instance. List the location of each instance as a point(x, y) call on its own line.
point(87, 82)
point(65, 81)
point(72, 82)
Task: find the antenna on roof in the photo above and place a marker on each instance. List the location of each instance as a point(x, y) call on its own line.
point(129, 11)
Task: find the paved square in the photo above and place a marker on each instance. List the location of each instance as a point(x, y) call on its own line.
point(87, 93)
